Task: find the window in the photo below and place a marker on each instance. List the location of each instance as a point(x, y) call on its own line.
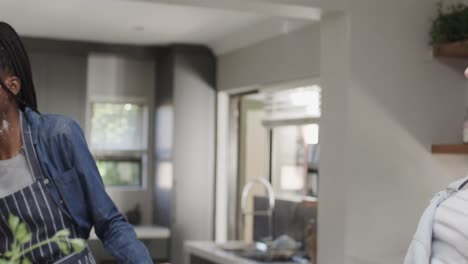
point(120, 172)
point(119, 142)
point(294, 153)
point(293, 117)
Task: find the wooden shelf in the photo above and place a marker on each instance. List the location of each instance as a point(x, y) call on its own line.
point(450, 149)
point(451, 50)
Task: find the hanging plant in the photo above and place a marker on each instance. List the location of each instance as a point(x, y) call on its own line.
point(450, 25)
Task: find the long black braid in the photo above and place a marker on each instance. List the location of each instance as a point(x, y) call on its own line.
point(14, 59)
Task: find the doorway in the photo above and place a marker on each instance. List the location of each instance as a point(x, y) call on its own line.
point(273, 134)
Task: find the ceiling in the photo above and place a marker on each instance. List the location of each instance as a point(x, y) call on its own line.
point(145, 22)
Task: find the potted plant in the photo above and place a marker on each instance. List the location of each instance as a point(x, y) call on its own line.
point(449, 31)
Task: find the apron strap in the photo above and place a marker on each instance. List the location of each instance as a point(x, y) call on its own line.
point(29, 149)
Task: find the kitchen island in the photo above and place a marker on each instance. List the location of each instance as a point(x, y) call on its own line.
point(207, 252)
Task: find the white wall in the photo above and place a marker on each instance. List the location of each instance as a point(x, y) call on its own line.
point(253, 158)
point(333, 139)
point(193, 196)
point(285, 58)
point(222, 190)
point(398, 101)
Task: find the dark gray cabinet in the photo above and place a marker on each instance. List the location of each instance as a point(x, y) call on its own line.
point(60, 81)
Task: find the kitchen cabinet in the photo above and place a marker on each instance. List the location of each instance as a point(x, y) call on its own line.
point(60, 82)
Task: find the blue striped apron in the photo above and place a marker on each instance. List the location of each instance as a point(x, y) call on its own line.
point(35, 207)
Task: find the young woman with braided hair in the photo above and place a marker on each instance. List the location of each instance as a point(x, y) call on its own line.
point(48, 178)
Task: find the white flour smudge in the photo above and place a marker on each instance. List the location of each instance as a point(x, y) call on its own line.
point(4, 125)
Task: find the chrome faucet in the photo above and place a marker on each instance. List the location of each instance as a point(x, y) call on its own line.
point(271, 202)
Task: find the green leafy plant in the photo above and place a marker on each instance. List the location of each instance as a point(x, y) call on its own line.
point(22, 235)
point(451, 23)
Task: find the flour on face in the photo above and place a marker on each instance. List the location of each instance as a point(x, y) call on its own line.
point(4, 125)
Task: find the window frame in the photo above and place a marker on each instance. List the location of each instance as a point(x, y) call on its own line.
point(123, 155)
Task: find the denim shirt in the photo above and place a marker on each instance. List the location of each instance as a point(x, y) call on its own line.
point(76, 185)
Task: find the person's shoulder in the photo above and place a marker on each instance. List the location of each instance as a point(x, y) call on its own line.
point(47, 126)
point(53, 125)
point(56, 124)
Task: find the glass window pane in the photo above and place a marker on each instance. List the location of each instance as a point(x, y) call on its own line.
point(301, 102)
point(117, 127)
point(294, 160)
point(120, 173)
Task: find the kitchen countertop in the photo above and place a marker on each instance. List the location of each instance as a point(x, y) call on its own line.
point(210, 251)
point(145, 232)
